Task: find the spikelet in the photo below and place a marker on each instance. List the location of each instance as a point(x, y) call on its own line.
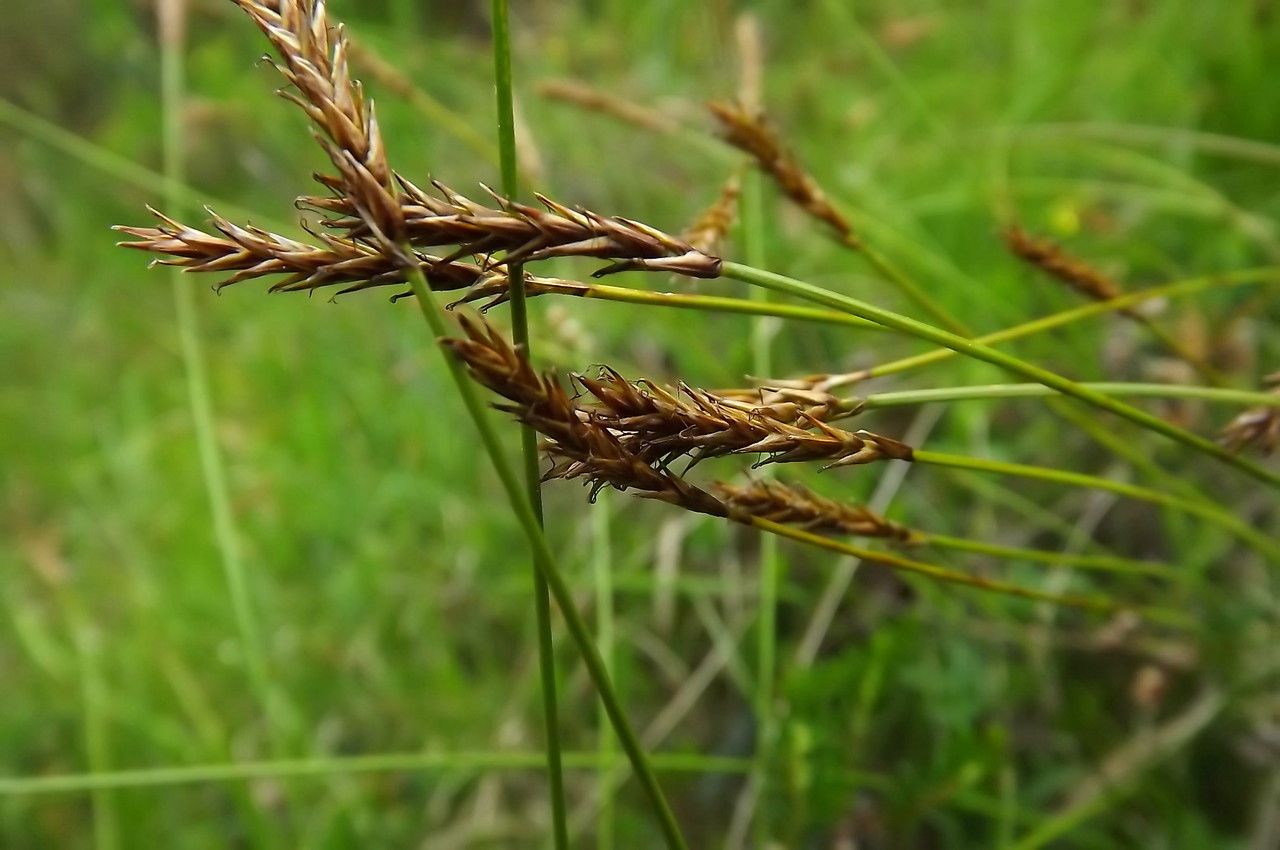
point(710, 229)
point(578, 445)
point(792, 504)
point(660, 424)
point(246, 253)
point(1059, 265)
point(1257, 428)
point(752, 133)
point(586, 97)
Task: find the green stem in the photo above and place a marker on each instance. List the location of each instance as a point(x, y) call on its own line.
point(1105, 563)
point(226, 535)
point(752, 229)
point(1205, 510)
point(910, 288)
point(932, 571)
point(154, 777)
point(602, 567)
point(528, 438)
point(720, 304)
point(113, 165)
point(545, 562)
point(1136, 390)
point(980, 351)
point(1191, 286)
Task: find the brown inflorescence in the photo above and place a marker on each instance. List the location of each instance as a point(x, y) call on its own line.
point(246, 253)
point(751, 132)
point(1061, 266)
point(383, 221)
point(792, 504)
point(660, 425)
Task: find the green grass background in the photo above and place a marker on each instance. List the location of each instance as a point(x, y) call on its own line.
point(390, 580)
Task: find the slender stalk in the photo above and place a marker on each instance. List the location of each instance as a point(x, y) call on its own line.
point(1264, 544)
point(936, 573)
point(528, 438)
point(752, 230)
point(545, 562)
point(1136, 390)
point(980, 351)
point(1106, 563)
point(1191, 286)
point(931, 571)
point(226, 534)
point(160, 777)
point(720, 304)
point(118, 167)
point(895, 275)
point(602, 568)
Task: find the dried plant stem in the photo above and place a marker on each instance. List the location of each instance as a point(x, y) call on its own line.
point(980, 351)
point(602, 569)
point(1265, 545)
point(226, 534)
point(1190, 286)
point(1136, 390)
point(544, 560)
point(528, 438)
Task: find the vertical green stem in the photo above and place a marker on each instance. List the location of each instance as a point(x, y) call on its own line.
point(602, 568)
point(172, 85)
point(544, 561)
point(752, 230)
point(529, 439)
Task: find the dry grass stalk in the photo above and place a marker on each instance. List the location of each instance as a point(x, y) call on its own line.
point(710, 229)
point(1059, 265)
point(246, 253)
point(1258, 427)
point(754, 135)
point(587, 97)
point(792, 504)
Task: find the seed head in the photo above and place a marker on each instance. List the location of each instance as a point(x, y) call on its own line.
point(793, 504)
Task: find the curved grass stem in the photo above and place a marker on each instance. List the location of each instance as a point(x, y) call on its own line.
point(1263, 544)
point(1176, 289)
point(1135, 390)
point(1097, 604)
point(980, 351)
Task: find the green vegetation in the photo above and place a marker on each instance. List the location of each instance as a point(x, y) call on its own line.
point(262, 586)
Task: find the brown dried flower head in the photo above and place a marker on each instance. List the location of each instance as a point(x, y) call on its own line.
point(710, 229)
point(751, 132)
point(1055, 262)
point(792, 504)
point(579, 446)
point(245, 253)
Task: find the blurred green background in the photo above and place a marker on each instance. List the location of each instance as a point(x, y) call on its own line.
point(386, 576)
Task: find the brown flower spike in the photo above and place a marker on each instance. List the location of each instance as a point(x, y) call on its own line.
point(792, 504)
point(754, 135)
